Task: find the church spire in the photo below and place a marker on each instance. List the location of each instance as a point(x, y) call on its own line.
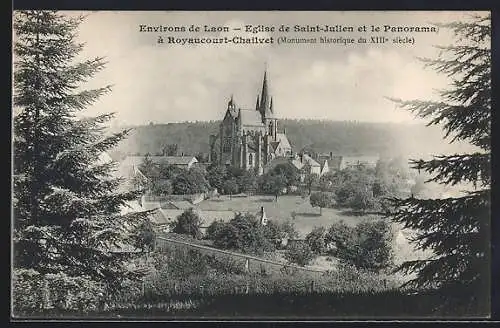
point(271, 105)
point(264, 100)
point(257, 105)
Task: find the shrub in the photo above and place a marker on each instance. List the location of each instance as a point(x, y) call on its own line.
point(225, 264)
point(33, 292)
point(276, 231)
point(27, 292)
point(340, 235)
point(188, 223)
point(300, 253)
point(375, 240)
point(144, 237)
point(182, 263)
point(214, 229)
point(230, 187)
point(316, 240)
point(244, 233)
point(321, 200)
point(367, 246)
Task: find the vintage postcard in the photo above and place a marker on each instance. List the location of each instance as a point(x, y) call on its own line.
point(251, 165)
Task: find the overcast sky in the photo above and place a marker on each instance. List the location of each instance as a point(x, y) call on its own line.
point(172, 83)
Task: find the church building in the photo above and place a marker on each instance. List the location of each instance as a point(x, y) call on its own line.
point(250, 138)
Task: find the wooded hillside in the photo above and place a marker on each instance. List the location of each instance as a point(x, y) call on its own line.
point(339, 137)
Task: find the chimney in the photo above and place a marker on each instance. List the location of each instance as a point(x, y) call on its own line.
point(331, 155)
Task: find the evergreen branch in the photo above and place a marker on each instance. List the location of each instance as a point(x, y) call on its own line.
point(454, 169)
point(470, 123)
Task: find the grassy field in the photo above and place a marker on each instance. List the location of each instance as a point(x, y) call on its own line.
point(305, 217)
point(293, 208)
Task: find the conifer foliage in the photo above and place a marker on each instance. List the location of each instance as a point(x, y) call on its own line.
point(65, 200)
point(456, 229)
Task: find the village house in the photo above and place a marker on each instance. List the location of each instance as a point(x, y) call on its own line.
point(329, 162)
point(355, 161)
point(134, 162)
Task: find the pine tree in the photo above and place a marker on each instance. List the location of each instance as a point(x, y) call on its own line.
point(66, 204)
point(456, 229)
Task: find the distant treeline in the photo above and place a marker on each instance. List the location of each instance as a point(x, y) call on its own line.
point(339, 137)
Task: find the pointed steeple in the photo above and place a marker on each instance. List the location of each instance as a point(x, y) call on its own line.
point(257, 106)
point(231, 103)
point(271, 105)
point(264, 100)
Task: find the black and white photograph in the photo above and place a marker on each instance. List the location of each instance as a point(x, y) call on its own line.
point(251, 165)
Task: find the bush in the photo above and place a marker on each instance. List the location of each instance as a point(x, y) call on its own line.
point(188, 223)
point(33, 292)
point(214, 229)
point(144, 237)
point(321, 200)
point(190, 181)
point(243, 233)
point(181, 263)
point(300, 253)
point(341, 236)
point(162, 187)
point(316, 240)
point(276, 231)
point(367, 246)
point(230, 187)
point(375, 240)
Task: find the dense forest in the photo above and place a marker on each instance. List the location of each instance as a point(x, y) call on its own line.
point(339, 137)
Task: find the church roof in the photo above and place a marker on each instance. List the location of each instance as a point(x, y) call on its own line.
point(274, 145)
point(283, 140)
point(250, 117)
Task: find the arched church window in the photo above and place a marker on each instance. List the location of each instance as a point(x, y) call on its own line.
point(250, 159)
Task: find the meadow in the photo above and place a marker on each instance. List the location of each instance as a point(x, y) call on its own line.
point(297, 209)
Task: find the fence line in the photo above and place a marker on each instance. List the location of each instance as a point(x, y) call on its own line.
point(244, 256)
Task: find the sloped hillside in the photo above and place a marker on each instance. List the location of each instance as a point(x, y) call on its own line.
point(345, 138)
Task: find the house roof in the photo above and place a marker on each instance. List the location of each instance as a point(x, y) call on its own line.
point(333, 161)
point(131, 206)
point(250, 117)
point(180, 205)
point(298, 163)
point(179, 160)
point(137, 160)
point(360, 159)
point(150, 205)
point(159, 218)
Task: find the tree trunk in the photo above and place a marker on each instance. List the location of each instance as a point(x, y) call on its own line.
point(35, 155)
